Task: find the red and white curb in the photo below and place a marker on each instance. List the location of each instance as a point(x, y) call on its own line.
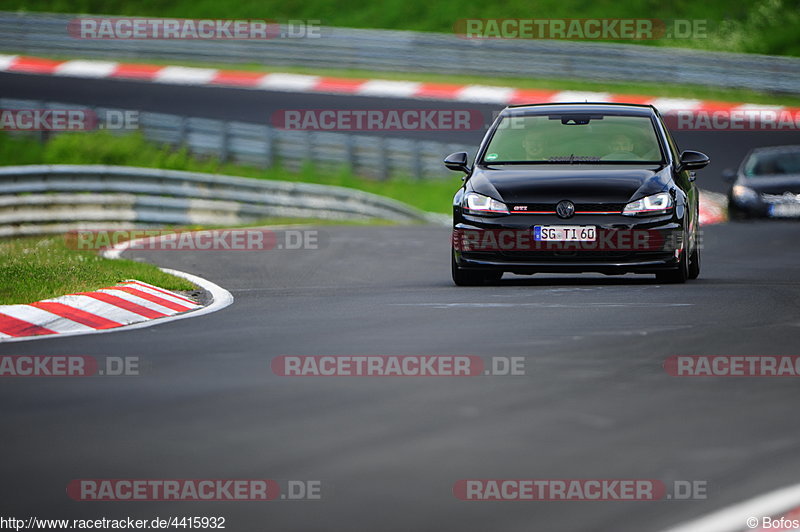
point(278, 81)
point(123, 304)
point(128, 305)
point(749, 515)
point(713, 208)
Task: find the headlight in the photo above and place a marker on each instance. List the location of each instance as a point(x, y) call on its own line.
point(743, 193)
point(479, 203)
point(660, 203)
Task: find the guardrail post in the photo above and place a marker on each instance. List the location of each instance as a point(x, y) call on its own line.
point(350, 152)
point(309, 142)
point(269, 148)
point(183, 131)
point(224, 149)
point(383, 159)
point(416, 158)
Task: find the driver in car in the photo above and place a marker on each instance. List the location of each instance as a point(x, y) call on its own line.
point(621, 149)
point(533, 146)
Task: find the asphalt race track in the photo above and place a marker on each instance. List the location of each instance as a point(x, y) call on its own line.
point(595, 401)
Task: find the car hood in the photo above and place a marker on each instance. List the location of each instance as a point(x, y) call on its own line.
point(577, 183)
point(773, 185)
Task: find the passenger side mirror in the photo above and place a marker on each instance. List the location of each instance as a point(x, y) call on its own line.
point(692, 160)
point(729, 175)
point(457, 162)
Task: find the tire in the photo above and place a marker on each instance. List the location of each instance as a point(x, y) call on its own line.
point(680, 274)
point(737, 215)
point(694, 261)
point(471, 277)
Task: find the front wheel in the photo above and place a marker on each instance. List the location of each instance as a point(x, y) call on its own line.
point(694, 261)
point(471, 277)
point(681, 273)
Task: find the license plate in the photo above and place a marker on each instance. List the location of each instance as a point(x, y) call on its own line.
point(565, 233)
point(784, 210)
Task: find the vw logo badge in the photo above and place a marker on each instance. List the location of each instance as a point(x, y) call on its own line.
point(565, 209)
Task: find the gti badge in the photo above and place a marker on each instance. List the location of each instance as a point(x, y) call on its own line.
point(565, 209)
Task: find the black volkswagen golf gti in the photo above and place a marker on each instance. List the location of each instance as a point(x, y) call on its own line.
point(580, 187)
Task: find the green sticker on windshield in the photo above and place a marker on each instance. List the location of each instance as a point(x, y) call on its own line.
point(490, 156)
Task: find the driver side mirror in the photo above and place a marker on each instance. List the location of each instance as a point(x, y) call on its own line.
point(457, 162)
point(729, 175)
point(692, 160)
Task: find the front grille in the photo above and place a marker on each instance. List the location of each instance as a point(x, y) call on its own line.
point(579, 207)
point(599, 207)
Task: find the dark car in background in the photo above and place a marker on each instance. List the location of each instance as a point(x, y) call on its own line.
point(571, 188)
point(766, 184)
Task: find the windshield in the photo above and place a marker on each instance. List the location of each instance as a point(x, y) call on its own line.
point(574, 138)
point(775, 163)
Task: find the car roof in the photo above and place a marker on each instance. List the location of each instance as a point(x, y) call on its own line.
point(776, 149)
point(582, 107)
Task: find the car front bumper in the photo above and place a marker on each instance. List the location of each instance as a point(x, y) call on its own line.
point(623, 245)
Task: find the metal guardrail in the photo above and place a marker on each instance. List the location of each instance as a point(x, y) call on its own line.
point(424, 52)
point(264, 146)
point(40, 199)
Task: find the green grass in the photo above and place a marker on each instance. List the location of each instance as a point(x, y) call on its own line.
point(35, 268)
point(755, 26)
point(135, 150)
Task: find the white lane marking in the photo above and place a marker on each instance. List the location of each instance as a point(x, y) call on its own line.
point(387, 88)
point(127, 296)
point(734, 518)
point(178, 300)
point(540, 305)
point(43, 318)
point(99, 308)
point(485, 93)
point(288, 82)
point(7, 61)
point(580, 96)
point(185, 75)
point(86, 69)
